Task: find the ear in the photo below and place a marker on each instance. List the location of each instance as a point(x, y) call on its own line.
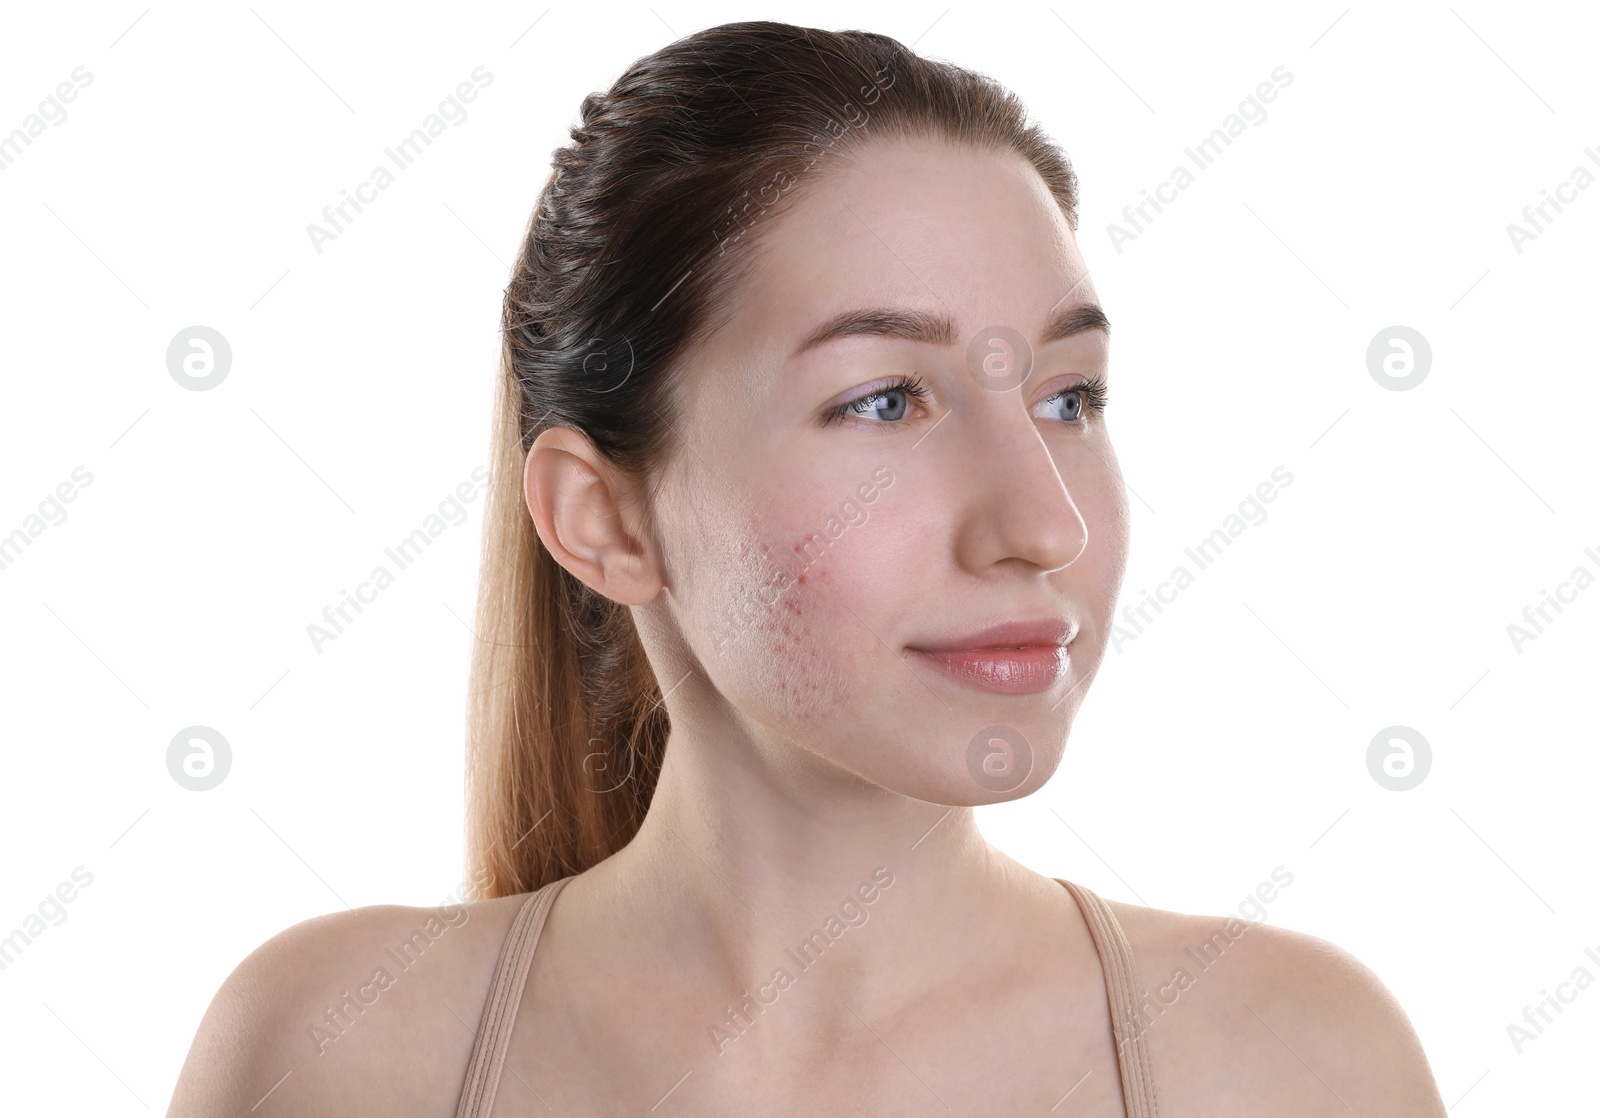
point(589, 516)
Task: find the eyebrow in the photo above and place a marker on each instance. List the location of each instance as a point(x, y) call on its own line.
point(937, 329)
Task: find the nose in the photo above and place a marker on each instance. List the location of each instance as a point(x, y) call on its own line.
point(1015, 504)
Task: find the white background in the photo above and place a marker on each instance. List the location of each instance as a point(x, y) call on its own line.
point(1229, 738)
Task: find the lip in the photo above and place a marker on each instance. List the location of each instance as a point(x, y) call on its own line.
point(1014, 658)
point(1041, 633)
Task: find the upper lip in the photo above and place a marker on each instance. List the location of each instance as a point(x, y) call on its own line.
point(1038, 633)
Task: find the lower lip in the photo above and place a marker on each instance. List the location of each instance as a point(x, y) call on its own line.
point(1005, 671)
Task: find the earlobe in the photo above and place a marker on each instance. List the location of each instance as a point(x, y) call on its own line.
point(581, 506)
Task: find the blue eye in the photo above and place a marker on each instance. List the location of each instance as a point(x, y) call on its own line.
point(893, 400)
point(1074, 401)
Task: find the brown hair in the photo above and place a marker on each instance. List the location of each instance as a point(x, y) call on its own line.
point(625, 266)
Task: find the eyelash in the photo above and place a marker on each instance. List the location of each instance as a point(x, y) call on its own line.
point(912, 386)
point(1095, 396)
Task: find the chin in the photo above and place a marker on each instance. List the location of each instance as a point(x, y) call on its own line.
point(995, 764)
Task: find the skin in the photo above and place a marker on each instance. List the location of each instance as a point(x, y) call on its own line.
point(808, 749)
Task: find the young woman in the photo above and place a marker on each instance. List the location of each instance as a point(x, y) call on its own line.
point(805, 536)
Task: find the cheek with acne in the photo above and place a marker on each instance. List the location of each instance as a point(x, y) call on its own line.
point(793, 633)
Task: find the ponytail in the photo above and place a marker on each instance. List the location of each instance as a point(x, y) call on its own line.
point(566, 727)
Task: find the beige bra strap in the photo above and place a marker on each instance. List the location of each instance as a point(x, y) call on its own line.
point(505, 994)
point(1122, 996)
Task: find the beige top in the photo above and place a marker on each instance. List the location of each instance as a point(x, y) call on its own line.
point(516, 956)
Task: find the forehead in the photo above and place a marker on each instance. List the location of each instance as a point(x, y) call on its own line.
point(972, 235)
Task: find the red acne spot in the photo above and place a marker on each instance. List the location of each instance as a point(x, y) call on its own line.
point(801, 580)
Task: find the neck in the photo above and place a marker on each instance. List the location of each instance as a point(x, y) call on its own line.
point(754, 859)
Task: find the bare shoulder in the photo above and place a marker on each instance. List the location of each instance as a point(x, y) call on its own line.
point(1257, 1018)
point(373, 1010)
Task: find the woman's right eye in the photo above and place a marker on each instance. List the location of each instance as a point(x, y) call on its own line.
point(894, 400)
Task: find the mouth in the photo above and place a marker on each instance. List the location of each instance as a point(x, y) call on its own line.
point(1006, 671)
point(1017, 658)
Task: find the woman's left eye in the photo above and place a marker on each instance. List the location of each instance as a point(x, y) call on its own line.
point(1069, 404)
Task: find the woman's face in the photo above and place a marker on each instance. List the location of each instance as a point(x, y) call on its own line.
point(814, 554)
